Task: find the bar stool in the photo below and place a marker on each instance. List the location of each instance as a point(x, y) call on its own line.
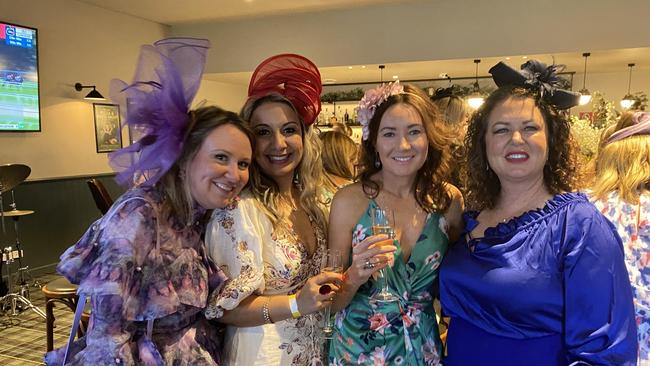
point(62, 291)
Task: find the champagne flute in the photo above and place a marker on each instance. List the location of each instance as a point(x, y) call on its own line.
point(333, 263)
point(381, 225)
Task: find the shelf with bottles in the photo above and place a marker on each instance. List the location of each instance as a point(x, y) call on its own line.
point(338, 112)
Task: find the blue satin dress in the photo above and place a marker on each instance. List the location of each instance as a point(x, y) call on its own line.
point(546, 288)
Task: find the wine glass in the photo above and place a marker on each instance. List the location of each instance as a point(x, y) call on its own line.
point(333, 263)
point(381, 225)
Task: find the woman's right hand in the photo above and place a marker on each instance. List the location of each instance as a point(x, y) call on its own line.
point(309, 297)
point(377, 250)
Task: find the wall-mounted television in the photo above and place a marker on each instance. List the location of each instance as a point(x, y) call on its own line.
point(19, 90)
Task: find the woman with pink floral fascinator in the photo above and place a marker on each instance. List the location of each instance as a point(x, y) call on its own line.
point(404, 165)
point(272, 242)
point(621, 192)
point(144, 264)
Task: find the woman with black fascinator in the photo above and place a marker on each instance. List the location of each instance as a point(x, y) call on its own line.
point(538, 276)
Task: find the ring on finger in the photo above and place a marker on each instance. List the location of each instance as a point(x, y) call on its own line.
point(368, 264)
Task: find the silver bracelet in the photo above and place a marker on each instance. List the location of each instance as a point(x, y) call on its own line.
point(265, 311)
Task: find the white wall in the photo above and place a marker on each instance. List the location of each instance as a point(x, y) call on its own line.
point(224, 95)
point(427, 30)
point(77, 43)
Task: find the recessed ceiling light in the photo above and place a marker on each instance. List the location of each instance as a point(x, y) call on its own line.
point(395, 76)
point(524, 57)
point(349, 67)
point(363, 66)
point(507, 58)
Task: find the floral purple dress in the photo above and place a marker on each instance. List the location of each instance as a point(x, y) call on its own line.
point(137, 265)
point(632, 224)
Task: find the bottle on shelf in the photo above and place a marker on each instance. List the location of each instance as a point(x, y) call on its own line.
point(346, 117)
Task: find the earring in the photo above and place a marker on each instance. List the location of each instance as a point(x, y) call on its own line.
point(377, 162)
point(487, 167)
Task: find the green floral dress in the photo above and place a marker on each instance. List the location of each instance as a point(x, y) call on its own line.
point(396, 333)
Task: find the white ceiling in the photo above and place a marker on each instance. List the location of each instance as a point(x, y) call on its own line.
point(598, 62)
point(172, 12)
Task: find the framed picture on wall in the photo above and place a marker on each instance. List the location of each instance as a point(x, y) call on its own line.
point(108, 135)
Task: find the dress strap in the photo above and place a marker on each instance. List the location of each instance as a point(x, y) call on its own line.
point(75, 324)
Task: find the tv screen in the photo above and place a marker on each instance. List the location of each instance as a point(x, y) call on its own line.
point(19, 95)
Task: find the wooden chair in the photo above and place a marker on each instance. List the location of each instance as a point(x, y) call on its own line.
point(61, 291)
point(102, 199)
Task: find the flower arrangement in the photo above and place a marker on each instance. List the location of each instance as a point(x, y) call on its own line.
point(587, 132)
point(372, 99)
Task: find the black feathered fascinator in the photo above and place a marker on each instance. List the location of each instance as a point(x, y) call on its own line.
point(542, 79)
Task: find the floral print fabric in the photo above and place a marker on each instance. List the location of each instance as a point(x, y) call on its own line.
point(636, 243)
point(397, 333)
point(137, 266)
point(261, 261)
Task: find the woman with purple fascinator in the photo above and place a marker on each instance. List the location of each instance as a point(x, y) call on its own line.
point(537, 277)
point(143, 265)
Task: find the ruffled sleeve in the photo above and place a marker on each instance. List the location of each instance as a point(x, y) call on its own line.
point(599, 313)
point(234, 239)
point(118, 256)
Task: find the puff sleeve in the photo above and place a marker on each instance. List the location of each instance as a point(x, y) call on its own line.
point(599, 312)
point(234, 238)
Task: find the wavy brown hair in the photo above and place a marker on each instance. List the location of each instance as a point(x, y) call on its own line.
point(429, 186)
point(174, 183)
point(560, 170)
point(308, 174)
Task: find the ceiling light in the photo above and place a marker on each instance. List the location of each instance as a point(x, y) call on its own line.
point(507, 58)
point(628, 100)
point(349, 67)
point(585, 96)
point(524, 57)
point(395, 76)
point(475, 100)
point(363, 66)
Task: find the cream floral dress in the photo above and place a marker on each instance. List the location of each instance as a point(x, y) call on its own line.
point(260, 261)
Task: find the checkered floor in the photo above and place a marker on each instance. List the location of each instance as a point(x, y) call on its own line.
point(22, 338)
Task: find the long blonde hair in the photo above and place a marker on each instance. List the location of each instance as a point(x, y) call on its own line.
point(623, 166)
point(339, 154)
point(308, 176)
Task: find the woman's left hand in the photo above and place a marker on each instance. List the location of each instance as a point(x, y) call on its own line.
point(310, 299)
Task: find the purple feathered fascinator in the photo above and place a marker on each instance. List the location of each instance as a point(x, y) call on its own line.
point(537, 76)
point(156, 103)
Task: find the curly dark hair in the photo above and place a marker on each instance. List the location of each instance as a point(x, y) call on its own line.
point(560, 170)
point(429, 186)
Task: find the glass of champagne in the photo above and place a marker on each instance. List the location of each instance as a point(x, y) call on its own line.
point(381, 225)
point(333, 263)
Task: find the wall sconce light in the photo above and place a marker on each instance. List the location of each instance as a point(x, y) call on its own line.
point(475, 100)
point(628, 100)
point(585, 96)
point(92, 95)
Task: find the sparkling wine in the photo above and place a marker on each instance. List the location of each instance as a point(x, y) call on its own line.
point(383, 229)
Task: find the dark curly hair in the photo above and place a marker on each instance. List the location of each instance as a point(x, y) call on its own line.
point(560, 170)
point(430, 191)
